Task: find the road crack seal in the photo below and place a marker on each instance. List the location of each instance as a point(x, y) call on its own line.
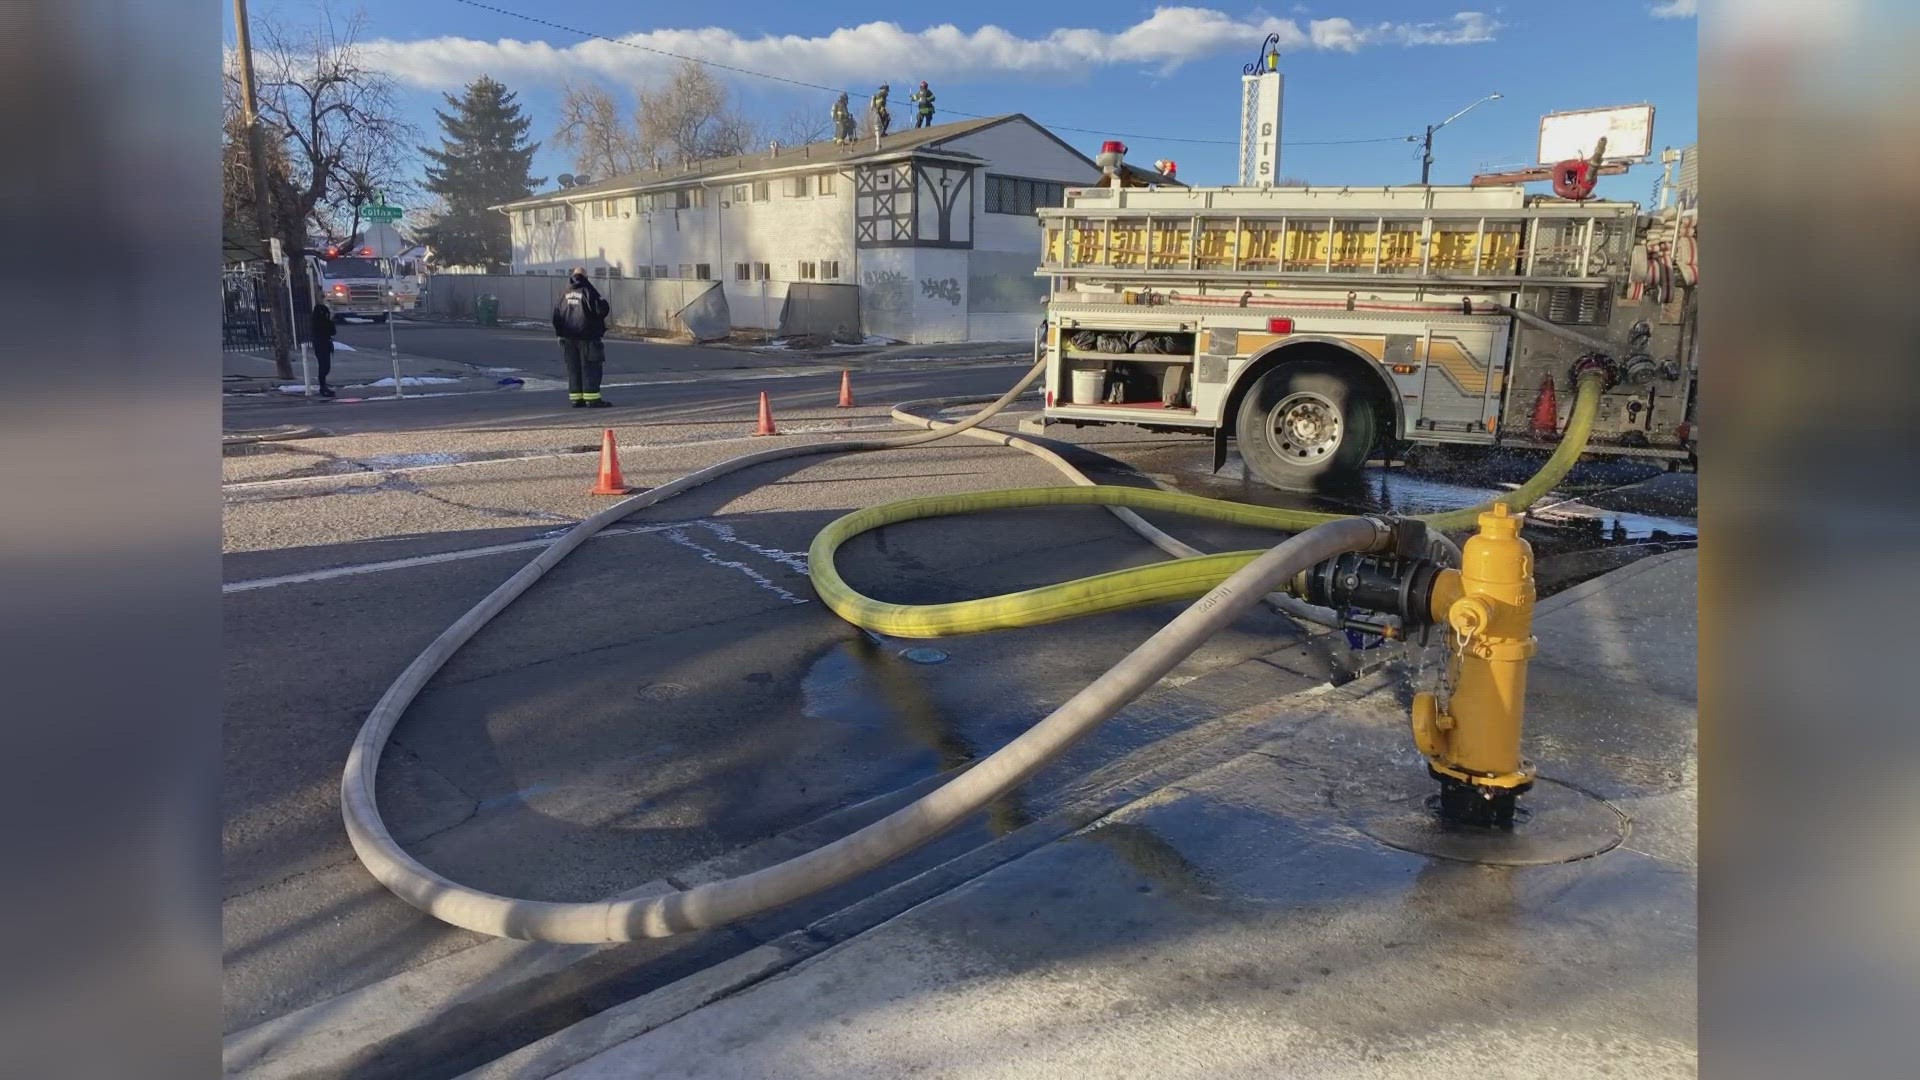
point(679, 536)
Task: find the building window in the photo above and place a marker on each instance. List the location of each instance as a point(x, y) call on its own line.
point(598, 210)
point(526, 219)
point(600, 271)
point(659, 271)
point(703, 272)
point(686, 270)
point(1016, 195)
point(760, 193)
point(825, 183)
point(615, 272)
point(742, 272)
point(739, 193)
point(830, 270)
point(809, 271)
point(567, 208)
point(761, 271)
point(797, 187)
point(646, 272)
point(642, 203)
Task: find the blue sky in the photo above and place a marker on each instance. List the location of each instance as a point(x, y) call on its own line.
point(1359, 69)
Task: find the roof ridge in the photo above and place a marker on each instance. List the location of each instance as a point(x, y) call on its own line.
point(893, 142)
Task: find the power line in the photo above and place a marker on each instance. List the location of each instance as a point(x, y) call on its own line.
point(838, 90)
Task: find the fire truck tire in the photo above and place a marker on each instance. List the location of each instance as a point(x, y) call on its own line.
point(378, 318)
point(1305, 424)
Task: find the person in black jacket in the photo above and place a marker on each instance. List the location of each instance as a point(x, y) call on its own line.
point(320, 334)
point(580, 321)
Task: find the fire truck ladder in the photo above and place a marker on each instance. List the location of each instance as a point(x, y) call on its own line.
point(1579, 245)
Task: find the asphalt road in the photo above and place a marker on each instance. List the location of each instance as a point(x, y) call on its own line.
point(672, 695)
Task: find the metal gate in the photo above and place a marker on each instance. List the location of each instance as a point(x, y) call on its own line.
point(245, 312)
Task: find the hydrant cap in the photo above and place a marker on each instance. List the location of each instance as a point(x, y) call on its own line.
point(1500, 523)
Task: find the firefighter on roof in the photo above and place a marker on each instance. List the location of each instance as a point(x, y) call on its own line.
point(923, 102)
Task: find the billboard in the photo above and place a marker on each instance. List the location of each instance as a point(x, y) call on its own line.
point(1628, 130)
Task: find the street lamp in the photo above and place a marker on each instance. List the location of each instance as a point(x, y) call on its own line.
point(1426, 155)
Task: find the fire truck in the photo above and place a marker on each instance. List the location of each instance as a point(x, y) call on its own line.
point(1309, 326)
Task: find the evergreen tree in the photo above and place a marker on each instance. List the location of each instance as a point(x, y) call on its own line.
point(484, 160)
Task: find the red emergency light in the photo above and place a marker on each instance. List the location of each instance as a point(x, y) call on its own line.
point(333, 252)
point(366, 251)
point(1279, 326)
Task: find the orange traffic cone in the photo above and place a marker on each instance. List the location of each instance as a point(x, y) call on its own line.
point(846, 390)
point(766, 417)
point(611, 482)
point(1546, 409)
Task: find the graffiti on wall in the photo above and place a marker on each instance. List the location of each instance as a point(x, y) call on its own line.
point(947, 289)
point(888, 292)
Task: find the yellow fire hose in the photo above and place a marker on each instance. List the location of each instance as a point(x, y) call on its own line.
point(1173, 579)
point(1229, 585)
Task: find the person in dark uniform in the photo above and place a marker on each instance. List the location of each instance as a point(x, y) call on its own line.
point(320, 333)
point(580, 321)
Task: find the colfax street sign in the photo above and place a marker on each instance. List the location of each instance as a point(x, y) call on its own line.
point(381, 214)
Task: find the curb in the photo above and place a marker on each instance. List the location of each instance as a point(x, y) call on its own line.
point(349, 1033)
point(1197, 750)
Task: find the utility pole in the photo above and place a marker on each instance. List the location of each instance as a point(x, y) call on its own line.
point(262, 208)
point(1426, 146)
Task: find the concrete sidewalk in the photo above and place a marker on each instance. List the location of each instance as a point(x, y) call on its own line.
point(1285, 911)
point(356, 370)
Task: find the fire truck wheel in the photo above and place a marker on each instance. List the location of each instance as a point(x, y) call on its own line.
point(1305, 424)
point(378, 318)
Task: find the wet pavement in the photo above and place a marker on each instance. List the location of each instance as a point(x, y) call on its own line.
point(669, 704)
point(1247, 921)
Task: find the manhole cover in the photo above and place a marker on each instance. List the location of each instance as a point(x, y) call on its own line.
point(1555, 823)
point(661, 691)
point(924, 656)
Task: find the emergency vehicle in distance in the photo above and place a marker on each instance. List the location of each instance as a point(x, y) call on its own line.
point(1310, 324)
point(356, 283)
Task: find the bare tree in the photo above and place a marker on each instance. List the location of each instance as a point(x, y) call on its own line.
point(692, 118)
point(337, 120)
point(604, 144)
point(803, 125)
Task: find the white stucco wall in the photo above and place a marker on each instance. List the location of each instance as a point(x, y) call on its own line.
point(917, 294)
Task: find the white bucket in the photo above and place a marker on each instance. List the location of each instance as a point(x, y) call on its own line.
point(1088, 385)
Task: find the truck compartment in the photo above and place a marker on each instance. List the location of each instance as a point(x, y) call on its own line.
point(1125, 369)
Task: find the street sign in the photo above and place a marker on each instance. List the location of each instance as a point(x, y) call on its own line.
point(381, 214)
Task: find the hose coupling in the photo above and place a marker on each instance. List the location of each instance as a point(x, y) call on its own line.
point(1597, 362)
point(1394, 582)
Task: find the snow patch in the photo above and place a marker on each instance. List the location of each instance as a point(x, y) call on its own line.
point(409, 380)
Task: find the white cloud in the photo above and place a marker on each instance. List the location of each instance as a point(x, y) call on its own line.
point(1169, 38)
point(1676, 9)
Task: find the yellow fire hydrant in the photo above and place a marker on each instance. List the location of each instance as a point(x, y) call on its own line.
point(1472, 743)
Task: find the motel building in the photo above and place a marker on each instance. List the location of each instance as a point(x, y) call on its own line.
point(931, 233)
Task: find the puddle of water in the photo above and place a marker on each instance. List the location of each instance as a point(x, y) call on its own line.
point(859, 684)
